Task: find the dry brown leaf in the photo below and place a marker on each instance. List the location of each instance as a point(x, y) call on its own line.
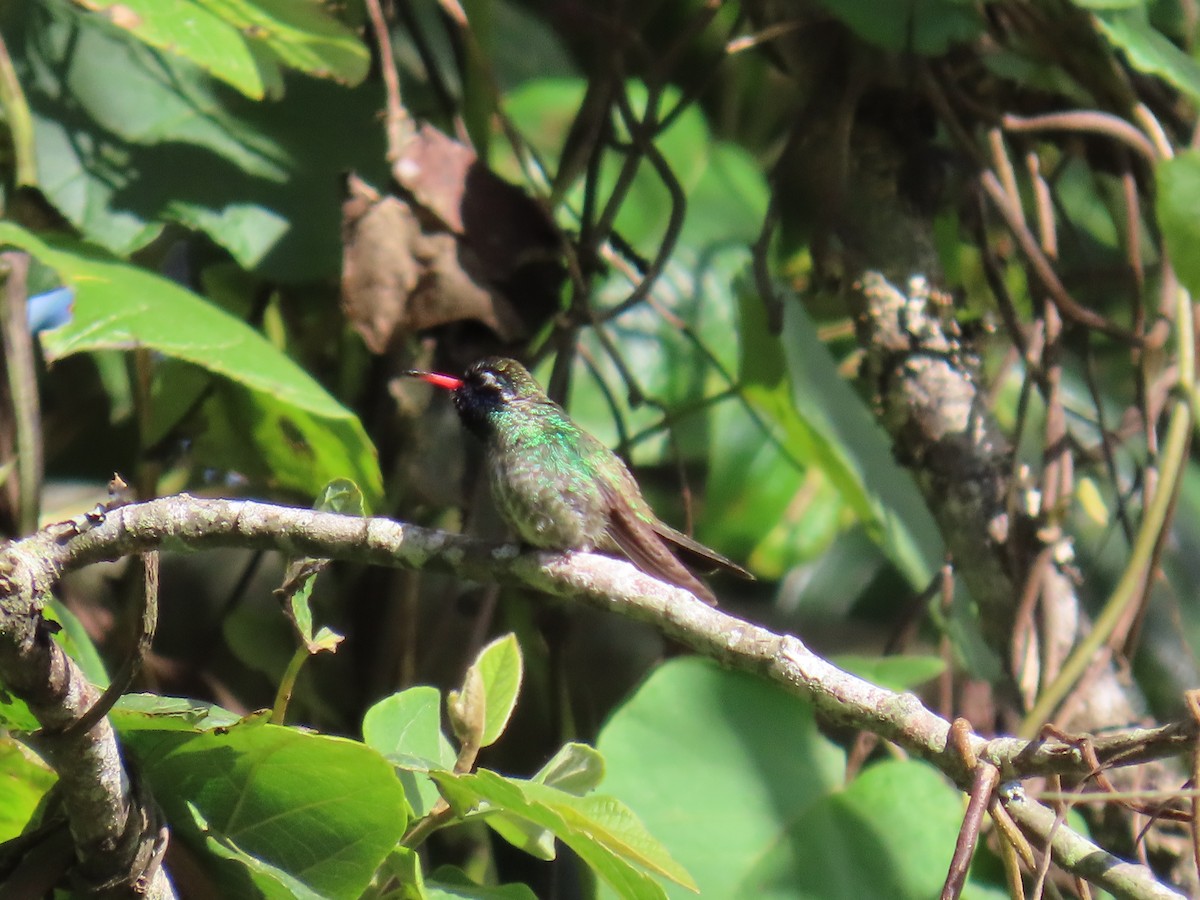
point(461, 244)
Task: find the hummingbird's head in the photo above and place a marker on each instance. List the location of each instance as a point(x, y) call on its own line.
point(488, 388)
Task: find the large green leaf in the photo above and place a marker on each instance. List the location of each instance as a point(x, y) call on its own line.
point(755, 478)
point(300, 34)
point(188, 29)
point(24, 781)
point(852, 449)
point(1150, 51)
point(119, 306)
point(324, 810)
point(243, 41)
point(274, 444)
point(129, 138)
point(733, 775)
point(716, 764)
point(273, 882)
point(1178, 208)
point(890, 833)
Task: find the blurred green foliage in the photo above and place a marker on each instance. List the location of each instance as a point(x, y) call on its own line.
point(180, 174)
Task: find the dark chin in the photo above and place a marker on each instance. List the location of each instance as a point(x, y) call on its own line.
point(473, 414)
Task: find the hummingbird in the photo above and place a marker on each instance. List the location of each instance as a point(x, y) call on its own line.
point(558, 487)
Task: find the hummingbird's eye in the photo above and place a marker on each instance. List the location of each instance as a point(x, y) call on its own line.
point(494, 383)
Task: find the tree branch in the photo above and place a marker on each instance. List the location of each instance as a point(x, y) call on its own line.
point(95, 786)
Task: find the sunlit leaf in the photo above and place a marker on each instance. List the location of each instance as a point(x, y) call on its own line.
point(326, 811)
point(296, 423)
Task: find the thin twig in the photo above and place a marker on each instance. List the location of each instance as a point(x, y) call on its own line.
point(22, 384)
point(1085, 122)
point(1067, 305)
point(147, 624)
point(18, 119)
point(674, 221)
point(398, 126)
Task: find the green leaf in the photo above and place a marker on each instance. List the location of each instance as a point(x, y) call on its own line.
point(604, 835)
point(23, 783)
point(339, 496)
point(342, 496)
point(610, 822)
point(407, 729)
point(575, 768)
point(757, 471)
point(526, 836)
point(325, 810)
point(128, 138)
point(929, 28)
point(896, 673)
point(1178, 207)
point(294, 420)
point(73, 638)
point(1149, 51)
point(186, 28)
point(716, 764)
point(449, 883)
point(300, 34)
point(242, 42)
point(890, 833)
point(275, 445)
point(734, 777)
point(501, 668)
point(120, 306)
point(153, 712)
point(404, 866)
point(15, 714)
point(274, 883)
point(325, 640)
point(855, 453)
point(299, 609)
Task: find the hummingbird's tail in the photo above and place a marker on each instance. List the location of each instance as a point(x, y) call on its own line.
point(652, 547)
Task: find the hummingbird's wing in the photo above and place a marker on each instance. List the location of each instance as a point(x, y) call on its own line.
point(652, 545)
point(696, 554)
point(640, 543)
